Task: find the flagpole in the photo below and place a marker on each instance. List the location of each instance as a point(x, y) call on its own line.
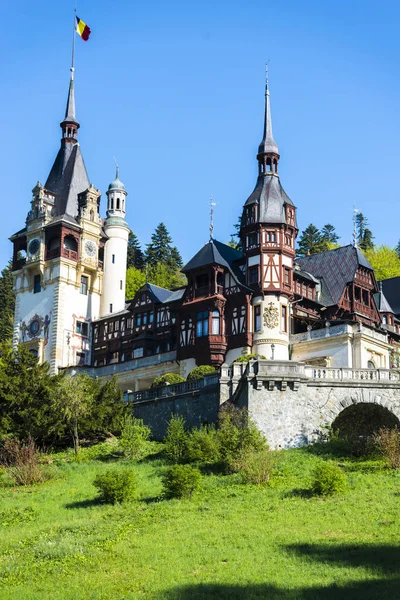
point(73, 46)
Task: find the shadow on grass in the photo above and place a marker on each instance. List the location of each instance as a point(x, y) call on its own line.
point(382, 562)
point(368, 590)
point(85, 503)
point(300, 493)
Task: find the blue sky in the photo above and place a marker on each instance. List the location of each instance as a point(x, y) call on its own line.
point(175, 91)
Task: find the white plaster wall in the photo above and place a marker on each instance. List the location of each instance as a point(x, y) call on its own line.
point(263, 339)
point(115, 272)
point(232, 354)
point(338, 349)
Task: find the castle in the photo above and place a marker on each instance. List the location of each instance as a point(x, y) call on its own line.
point(69, 266)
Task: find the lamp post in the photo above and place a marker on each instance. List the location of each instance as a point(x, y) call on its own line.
point(272, 351)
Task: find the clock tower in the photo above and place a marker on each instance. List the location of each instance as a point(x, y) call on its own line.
point(58, 258)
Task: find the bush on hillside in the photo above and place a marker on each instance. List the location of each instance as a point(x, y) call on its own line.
point(199, 372)
point(134, 438)
point(255, 466)
point(116, 485)
point(328, 479)
point(246, 357)
point(176, 439)
point(22, 462)
point(203, 445)
point(181, 481)
point(388, 443)
point(167, 379)
point(237, 433)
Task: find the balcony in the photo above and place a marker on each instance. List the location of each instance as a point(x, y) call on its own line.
point(317, 334)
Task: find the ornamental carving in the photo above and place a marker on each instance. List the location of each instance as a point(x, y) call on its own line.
point(271, 316)
point(34, 328)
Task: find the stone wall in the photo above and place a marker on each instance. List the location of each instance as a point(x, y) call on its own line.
point(197, 407)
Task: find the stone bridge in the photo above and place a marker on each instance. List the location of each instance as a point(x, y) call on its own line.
point(292, 403)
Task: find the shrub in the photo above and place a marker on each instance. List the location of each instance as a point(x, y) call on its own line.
point(247, 357)
point(180, 481)
point(200, 371)
point(388, 444)
point(175, 439)
point(167, 379)
point(203, 445)
point(22, 462)
point(255, 466)
point(116, 485)
point(134, 439)
point(237, 433)
point(329, 479)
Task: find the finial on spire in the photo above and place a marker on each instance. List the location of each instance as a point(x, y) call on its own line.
point(212, 204)
point(268, 144)
point(116, 168)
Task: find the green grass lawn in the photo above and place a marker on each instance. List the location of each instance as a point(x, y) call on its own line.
point(231, 541)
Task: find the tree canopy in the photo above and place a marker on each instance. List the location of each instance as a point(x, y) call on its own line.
point(384, 260)
point(7, 304)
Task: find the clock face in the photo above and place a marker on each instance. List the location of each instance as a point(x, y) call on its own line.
point(90, 248)
point(34, 246)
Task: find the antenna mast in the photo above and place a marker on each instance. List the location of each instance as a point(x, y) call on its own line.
point(355, 213)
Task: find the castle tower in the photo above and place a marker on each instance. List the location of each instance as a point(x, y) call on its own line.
point(116, 249)
point(56, 266)
point(268, 232)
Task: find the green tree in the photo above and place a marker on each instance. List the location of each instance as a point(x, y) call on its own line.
point(310, 241)
point(165, 276)
point(74, 402)
point(7, 303)
point(135, 256)
point(159, 249)
point(364, 234)
point(135, 279)
point(384, 260)
point(398, 248)
point(235, 241)
point(175, 260)
point(329, 236)
point(26, 390)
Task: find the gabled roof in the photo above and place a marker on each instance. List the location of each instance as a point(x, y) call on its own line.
point(271, 198)
point(336, 267)
point(67, 179)
point(158, 294)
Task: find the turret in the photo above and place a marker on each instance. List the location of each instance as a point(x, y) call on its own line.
point(115, 250)
point(268, 232)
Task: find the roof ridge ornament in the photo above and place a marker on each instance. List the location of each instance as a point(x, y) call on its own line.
point(212, 204)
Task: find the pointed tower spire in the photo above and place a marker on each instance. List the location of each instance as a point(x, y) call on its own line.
point(69, 124)
point(268, 153)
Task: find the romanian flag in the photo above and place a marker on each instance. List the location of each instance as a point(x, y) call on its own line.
point(82, 29)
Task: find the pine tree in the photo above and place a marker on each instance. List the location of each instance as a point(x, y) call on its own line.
point(235, 241)
point(398, 248)
point(135, 256)
point(7, 304)
point(175, 259)
point(159, 249)
point(310, 241)
point(364, 235)
point(329, 235)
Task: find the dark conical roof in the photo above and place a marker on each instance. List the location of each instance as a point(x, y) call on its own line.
point(68, 176)
point(271, 198)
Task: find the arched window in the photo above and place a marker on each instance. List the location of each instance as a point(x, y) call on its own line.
point(215, 322)
point(70, 243)
point(112, 204)
point(371, 365)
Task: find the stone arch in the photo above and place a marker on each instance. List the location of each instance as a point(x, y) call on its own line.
point(345, 397)
point(364, 419)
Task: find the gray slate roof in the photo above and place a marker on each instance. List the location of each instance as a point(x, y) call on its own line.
point(271, 198)
point(381, 303)
point(68, 178)
point(391, 290)
point(335, 268)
